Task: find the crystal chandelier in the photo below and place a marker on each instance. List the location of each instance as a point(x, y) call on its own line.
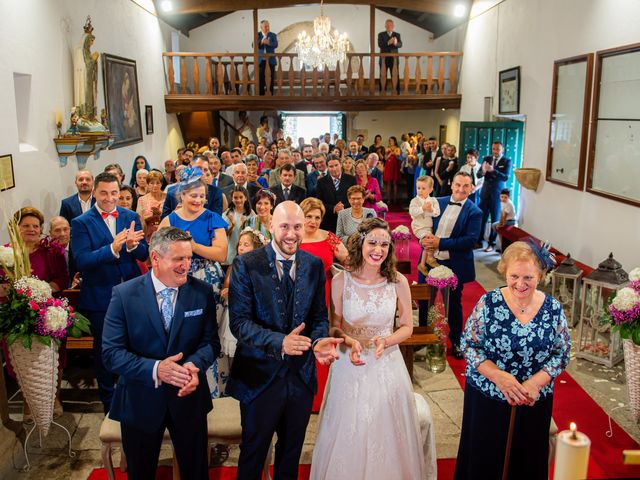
point(325, 48)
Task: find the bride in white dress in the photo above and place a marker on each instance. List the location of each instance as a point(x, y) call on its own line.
point(368, 425)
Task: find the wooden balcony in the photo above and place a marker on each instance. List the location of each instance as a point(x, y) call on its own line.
point(228, 81)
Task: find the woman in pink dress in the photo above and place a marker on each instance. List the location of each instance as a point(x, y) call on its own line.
point(48, 264)
point(328, 247)
point(372, 194)
point(391, 174)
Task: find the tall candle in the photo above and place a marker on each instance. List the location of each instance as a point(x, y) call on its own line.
point(58, 116)
point(572, 455)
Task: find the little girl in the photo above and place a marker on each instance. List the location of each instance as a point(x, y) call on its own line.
point(422, 210)
point(238, 212)
point(248, 240)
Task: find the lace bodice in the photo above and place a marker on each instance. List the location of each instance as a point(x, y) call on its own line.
point(368, 310)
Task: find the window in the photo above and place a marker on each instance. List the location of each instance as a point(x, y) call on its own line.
point(309, 125)
point(22, 91)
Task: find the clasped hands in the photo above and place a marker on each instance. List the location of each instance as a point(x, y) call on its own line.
point(516, 393)
point(379, 343)
point(185, 377)
point(430, 241)
point(325, 351)
point(129, 236)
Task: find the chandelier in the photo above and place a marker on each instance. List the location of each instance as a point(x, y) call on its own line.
point(325, 48)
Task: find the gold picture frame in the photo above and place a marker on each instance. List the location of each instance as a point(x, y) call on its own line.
point(7, 177)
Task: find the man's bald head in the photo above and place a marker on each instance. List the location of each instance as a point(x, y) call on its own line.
point(287, 226)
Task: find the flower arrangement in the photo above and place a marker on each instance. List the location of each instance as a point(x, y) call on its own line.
point(401, 232)
point(382, 207)
point(624, 311)
point(441, 277)
point(30, 312)
point(634, 279)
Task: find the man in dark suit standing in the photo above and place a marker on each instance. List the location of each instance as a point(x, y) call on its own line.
point(78, 203)
point(495, 170)
point(106, 241)
point(240, 179)
point(286, 189)
point(160, 336)
point(332, 191)
point(389, 42)
point(456, 230)
point(279, 317)
point(220, 180)
point(267, 43)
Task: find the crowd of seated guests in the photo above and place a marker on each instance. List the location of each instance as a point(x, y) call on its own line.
point(218, 193)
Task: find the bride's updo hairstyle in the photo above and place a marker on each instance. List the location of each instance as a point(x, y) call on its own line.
point(355, 261)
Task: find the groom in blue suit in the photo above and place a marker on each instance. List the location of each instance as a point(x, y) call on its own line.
point(160, 336)
point(106, 241)
point(456, 231)
point(279, 317)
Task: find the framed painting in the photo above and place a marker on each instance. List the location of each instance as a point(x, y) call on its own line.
point(7, 178)
point(148, 117)
point(509, 91)
point(122, 99)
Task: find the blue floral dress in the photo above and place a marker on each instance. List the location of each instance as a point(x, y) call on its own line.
point(494, 333)
point(202, 229)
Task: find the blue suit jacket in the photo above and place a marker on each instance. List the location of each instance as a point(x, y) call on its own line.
point(259, 322)
point(496, 180)
point(99, 269)
point(134, 339)
point(463, 237)
point(312, 183)
point(70, 207)
point(214, 200)
point(271, 48)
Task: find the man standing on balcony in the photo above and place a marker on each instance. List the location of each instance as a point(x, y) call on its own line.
point(267, 43)
point(389, 42)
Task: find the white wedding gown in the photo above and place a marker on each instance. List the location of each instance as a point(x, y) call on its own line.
point(368, 425)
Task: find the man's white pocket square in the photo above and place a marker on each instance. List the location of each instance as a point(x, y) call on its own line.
point(193, 313)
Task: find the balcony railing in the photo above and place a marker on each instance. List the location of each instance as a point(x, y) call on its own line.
point(422, 75)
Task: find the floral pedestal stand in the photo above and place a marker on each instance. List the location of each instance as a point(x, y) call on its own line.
point(37, 374)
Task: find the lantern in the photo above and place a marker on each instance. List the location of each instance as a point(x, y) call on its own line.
point(565, 287)
point(596, 341)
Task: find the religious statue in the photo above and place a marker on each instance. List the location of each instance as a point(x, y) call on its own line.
point(85, 82)
point(73, 122)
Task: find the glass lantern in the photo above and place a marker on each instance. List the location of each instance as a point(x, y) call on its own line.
point(596, 342)
point(565, 287)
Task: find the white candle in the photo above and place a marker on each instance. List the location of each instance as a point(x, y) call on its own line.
point(572, 455)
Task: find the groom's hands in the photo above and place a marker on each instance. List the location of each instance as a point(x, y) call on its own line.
point(296, 344)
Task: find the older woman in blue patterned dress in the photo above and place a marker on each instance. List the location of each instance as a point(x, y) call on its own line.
point(209, 244)
point(515, 342)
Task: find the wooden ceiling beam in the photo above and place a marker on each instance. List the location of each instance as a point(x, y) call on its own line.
point(443, 7)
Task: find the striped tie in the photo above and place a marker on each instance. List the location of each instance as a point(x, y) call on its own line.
point(336, 183)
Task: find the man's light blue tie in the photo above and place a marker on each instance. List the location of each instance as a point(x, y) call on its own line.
point(166, 307)
point(336, 183)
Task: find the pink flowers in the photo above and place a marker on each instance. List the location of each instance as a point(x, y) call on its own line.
point(34, 306)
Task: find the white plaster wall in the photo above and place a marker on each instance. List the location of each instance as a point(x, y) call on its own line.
point(396, 123)
point(38, 38)
point(532, 34)
point(353, 19)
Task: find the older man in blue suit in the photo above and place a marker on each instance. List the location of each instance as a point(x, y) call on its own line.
point(160, 336)
point(106, 241)
point(456, 231)
point(78, 203)
point(279, 317)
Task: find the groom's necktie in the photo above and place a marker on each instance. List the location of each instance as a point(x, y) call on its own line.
point(286, 281)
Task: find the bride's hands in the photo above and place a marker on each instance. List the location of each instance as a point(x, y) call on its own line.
point(381, 344)
point(354, 353)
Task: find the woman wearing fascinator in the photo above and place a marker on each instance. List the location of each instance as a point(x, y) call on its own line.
point(515, 342)
point(368, 426)
point(209, 243)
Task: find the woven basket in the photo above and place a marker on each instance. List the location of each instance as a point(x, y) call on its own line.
point(632, 370)
point(529, 178)
point(37, 374)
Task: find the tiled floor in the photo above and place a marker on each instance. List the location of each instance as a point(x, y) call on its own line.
point(82, 412)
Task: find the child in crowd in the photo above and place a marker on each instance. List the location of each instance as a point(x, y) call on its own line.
point(248, 240)
point(507, 214)
point(422, 210)
point(236, 215)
